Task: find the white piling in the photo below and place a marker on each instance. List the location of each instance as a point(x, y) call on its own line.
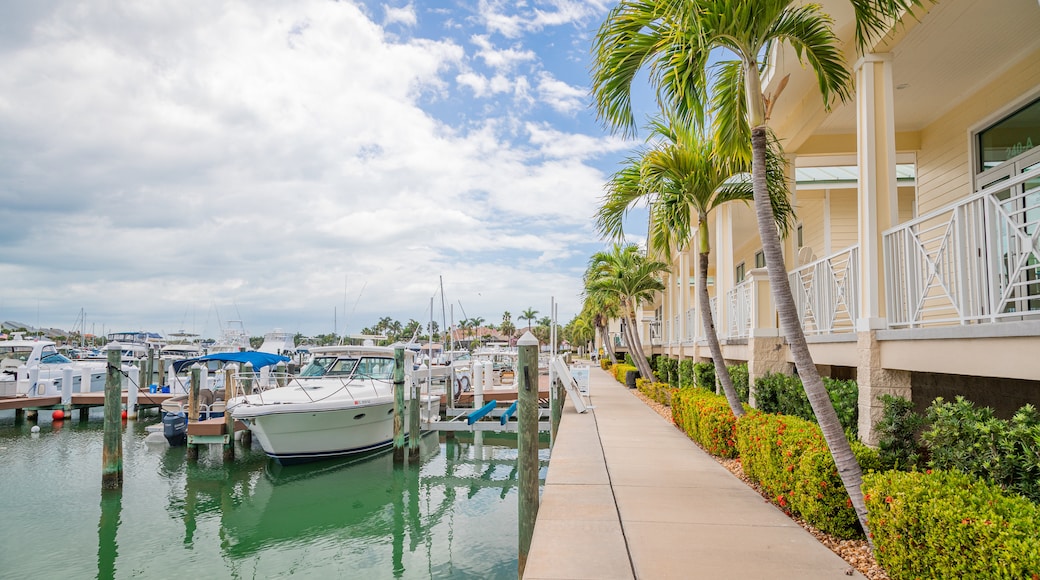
point(34, 380)
point(478, 381)
point(84, 380)
point(66, 387)
point(132, 391)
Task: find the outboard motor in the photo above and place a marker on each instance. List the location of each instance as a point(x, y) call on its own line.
point(175, 428)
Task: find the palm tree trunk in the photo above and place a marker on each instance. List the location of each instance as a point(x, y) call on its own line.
point(721, 372)
point(609, 348)
point(848, 468)
point(636, 347)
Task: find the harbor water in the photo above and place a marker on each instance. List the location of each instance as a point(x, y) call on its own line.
point(453, 515)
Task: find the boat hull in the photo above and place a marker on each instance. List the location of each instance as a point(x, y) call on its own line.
point(298, 433)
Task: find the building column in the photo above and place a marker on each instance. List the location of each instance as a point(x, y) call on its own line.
point(878, 208)
point(724, 265)
point(767, 350)
point(684, 298)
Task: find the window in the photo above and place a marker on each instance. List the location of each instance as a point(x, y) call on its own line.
point(760, 259)
point(740, 272)
point(801, 241)
point(1010, 137)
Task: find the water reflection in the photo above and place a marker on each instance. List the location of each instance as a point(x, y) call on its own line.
point(108, 529)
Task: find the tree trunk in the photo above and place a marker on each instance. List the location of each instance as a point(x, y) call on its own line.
point(609, 348)
point(636, 346)
point(848, 468)
point(721, 372)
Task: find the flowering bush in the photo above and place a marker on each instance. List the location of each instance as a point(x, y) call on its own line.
point(950, 525)
point(707, 419)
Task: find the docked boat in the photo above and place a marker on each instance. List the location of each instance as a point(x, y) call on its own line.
point(340, 404)
point(35, 368)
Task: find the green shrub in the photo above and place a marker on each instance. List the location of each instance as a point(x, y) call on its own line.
point(897, 444)
point(704, 375)
point(604, 363)
point(950, 525)
point(972, 440)
point(686, 376)
point(779, 393)
point(770, 448)
point(629, 360)
point(667, 370)
point(620, 370)
point(660, 392)
point(820, 496)
point(707, 419)
point(739, 375)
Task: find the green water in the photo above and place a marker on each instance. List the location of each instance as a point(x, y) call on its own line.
point(454, 515)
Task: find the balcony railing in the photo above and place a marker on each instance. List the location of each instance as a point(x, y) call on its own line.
point(972, 262)
point(739, 310)
point(691, 324)
point(826, 293)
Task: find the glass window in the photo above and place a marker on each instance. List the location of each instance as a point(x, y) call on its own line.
point(740, 272)
point(1010, 137)
point(760, 259)
point(800, 239)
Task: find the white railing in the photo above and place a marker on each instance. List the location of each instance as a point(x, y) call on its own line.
point(691, 324)
point(974, 261)
point(713, 303)
point(826, 293)
point(739, 310)
point(675, 330)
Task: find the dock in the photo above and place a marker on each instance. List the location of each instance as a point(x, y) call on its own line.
point(145, 400)
point(627, 495)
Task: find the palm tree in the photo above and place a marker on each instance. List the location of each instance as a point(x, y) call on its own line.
point(507, 327)
point(685, 173)
point(627, 275)
point(675, 38)
point(529, 315)
point(600, 309)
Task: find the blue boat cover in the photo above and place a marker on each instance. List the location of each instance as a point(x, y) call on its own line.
point(258, 359)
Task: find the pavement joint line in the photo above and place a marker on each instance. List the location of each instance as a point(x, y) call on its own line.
point(613, 494)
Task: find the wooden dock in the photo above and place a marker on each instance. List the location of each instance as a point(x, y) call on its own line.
point(145, 399)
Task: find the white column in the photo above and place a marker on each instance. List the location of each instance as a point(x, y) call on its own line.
point(877, 196)
point(724, 265)
point(684, 294)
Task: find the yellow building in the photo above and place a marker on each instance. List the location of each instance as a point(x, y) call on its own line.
point(916, 259)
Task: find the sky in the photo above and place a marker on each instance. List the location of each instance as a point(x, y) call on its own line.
point(309, 166)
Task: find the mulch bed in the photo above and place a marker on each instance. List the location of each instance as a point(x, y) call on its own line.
point(856, 552)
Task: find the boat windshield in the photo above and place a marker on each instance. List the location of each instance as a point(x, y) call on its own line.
point(54, 358)
point(322, 365)
point(381, 368)
point(20, 353)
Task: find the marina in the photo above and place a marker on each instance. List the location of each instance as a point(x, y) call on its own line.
point(451, 515)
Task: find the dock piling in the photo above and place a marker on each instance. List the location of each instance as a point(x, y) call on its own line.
point(229, 421)
point(193, 407)
point(414, 433)
point(398, 405)
point(112, 451)
point(527, 442)
point(247, 389)
point(66, 389)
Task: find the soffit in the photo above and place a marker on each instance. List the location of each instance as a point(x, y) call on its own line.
point(956, 48)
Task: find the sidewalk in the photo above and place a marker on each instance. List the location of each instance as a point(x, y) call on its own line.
point(628, 495)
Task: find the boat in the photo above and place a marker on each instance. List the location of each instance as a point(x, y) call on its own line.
point(340, 404)
point(233, 338)
point(34, 368)
point(213, 390)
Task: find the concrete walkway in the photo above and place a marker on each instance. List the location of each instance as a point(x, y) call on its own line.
point(628, 495)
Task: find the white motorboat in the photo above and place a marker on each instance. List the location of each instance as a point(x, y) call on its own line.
point(34, 368)
point(340, 404)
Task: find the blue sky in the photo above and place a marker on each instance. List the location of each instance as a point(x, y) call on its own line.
point(310, 166)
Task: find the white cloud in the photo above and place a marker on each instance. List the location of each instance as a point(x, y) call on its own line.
point(173, 158)
point(404, 15)
point(559, 95)
point(512, 19)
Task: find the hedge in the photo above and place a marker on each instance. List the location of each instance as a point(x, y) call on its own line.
point(619, 371)
point(707, 419)
point(789, 458)
point(660, 392)
point(947, 524)
point(704, 375)
point(779, 393)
